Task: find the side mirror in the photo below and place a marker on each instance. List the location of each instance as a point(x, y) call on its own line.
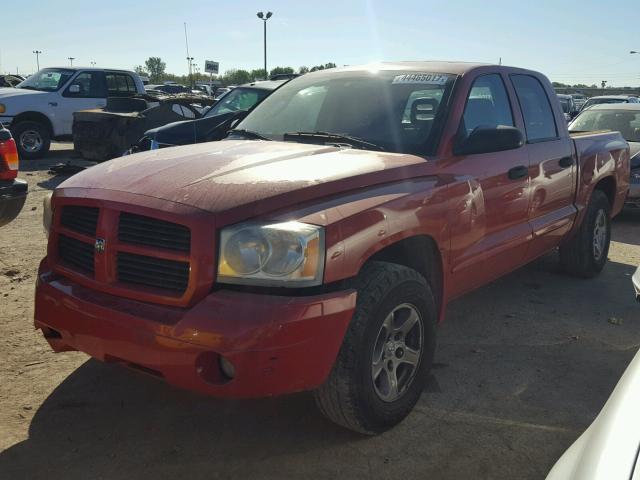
point(74, 88)
point(484, 139)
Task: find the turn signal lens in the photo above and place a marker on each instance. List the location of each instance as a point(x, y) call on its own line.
point(8, 159)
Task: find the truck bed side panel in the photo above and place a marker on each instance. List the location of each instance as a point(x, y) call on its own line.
point(601, 155)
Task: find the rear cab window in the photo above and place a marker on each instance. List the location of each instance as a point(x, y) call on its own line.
point(539, 120)
point(120, 85)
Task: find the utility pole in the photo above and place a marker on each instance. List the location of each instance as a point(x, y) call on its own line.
point(93, 64)
point(37, 52)
point(264, 17)
point(189, 59)
point(71, 59)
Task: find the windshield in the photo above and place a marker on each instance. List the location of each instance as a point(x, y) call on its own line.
point(47, 80)
point(624, 121)
point(237, 100)
point(395, 110)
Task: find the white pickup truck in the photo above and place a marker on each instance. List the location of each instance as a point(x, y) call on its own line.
point(40, 109)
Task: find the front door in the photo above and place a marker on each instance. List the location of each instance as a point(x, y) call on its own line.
point(488, 219)
point(86, 91)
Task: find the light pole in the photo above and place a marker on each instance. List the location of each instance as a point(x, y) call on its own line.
point(71, 59)
point(633, 52)
point(37, 52)
point(264, 19)
point(93, 64)
point(189, 60)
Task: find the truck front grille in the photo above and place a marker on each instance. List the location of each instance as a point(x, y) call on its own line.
point(153, 272)
point(152, 232)
point(76, 254)
point(80, 219)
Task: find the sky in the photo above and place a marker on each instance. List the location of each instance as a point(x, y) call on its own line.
point(570, 41)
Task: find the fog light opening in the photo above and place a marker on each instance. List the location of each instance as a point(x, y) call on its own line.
point(227, 368)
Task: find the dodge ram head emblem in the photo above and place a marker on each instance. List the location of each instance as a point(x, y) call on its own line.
point(99, 245)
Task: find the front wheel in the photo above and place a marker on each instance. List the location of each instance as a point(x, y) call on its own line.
point(586, 253)
point(32, 139)
point(387, 352)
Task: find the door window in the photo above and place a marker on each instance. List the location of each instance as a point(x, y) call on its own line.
point(536, 108)
point(86, 85)
point(487, 104)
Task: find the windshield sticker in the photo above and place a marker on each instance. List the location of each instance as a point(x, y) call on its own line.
point(420, 78)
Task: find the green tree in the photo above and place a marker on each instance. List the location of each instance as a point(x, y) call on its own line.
point(281, 70)
point(302, 70)
point(140, 70)
point(235, 77)
point(323, 67)
point(156, 68)
point(258, 74)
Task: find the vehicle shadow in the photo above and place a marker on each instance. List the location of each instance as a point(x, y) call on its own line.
point(524, 365)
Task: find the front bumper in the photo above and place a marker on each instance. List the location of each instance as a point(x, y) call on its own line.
point(276, 344)
point(13, 194)
point(636, 283)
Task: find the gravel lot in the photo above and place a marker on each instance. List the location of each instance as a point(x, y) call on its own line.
point(524, 365)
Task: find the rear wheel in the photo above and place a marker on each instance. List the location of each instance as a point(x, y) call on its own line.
point(387, 352)
point(32, 139)
point(586, 253)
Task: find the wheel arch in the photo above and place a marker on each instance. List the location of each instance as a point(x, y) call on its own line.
point(33, 116)
point(407, 252)
point(607, 185)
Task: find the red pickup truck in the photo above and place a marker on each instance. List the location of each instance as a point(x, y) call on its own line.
point(317, 247)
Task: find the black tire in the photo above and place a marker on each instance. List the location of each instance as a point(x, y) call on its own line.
point(578, 256)
point(349, 397)
point(31, 128)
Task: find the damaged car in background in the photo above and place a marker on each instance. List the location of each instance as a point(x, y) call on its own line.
point(214, 124)
point(40, 109)
point(105, 133)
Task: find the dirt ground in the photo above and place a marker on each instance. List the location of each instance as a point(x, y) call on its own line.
point(523, 366)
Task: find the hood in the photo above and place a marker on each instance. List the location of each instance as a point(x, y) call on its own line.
point(220, 176)
point(8, 92)
point(188, 131)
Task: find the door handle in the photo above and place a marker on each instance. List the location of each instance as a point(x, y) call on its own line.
point(520, 171)
point(566, 162)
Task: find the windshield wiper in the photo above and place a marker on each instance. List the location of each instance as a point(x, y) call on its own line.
point(251, 135)
point(27, 87)
point(335, 138)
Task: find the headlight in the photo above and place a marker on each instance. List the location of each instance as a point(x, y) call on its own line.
point(47, 212)
point(280, 254)
point(2, 108)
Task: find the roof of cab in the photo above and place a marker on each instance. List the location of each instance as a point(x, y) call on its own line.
point(266, 84)
point(452, 68)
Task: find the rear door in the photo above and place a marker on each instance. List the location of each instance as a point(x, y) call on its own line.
point(84, 92)
point(552, 165)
